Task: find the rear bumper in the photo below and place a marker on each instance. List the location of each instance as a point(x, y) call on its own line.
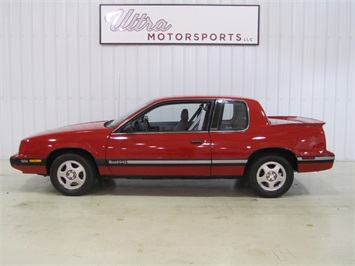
point(315, 163)
point(29, 165)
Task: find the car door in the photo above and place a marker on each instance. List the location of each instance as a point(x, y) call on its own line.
point(230, 138)
point(155, 143)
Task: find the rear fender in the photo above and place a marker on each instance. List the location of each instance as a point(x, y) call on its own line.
point(287, 154)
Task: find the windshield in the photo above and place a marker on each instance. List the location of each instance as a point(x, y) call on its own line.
point(117, 121)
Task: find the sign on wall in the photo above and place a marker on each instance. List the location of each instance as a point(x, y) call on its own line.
point(179, 24)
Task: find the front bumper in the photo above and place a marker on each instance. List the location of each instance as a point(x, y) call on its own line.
point(29, 165)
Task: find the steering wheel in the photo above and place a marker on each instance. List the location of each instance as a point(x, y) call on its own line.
point(145, 121)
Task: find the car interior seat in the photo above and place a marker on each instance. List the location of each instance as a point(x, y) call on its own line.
point(182, 124)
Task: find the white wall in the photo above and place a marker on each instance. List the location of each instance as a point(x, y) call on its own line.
point(54, 71)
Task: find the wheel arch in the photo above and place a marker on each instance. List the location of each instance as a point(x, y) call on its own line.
point(284, 153)
point(56, 153)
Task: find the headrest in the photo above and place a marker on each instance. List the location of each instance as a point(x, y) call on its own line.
point(185, 114)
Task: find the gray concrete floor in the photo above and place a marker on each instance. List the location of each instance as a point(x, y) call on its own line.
point(177, 222)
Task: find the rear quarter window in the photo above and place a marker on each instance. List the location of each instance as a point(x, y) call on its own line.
point(234, 116)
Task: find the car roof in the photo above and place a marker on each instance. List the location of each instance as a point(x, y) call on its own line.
point(201, 97)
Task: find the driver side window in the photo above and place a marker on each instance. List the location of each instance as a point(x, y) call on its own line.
point(173, 117)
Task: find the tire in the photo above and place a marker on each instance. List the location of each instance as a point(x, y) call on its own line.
point(72, 175)
point(271, 176)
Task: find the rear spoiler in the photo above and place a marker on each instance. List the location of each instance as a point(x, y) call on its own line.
point(281, 120)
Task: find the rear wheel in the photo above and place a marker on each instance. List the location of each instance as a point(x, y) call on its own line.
point(72, 175)
point(271, 176)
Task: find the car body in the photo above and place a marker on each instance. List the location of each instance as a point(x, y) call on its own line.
point(202, 136)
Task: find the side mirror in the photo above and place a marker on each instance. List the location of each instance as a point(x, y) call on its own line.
point(128, 129)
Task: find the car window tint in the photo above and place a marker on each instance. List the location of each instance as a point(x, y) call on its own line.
point(171, 112)
point(172, 117)
point(228, 111)
point(234, 116)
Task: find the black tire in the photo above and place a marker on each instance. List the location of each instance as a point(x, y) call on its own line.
point(72, 175)
point(271, 176)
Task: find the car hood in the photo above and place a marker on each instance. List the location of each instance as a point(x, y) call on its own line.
point(73, 129)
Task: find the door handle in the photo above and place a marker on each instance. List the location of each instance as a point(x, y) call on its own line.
point(197, 141)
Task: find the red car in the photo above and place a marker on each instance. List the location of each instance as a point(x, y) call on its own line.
point(207, 137)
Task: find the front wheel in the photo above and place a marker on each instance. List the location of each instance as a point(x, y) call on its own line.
point(271, 176)
point(72, 175)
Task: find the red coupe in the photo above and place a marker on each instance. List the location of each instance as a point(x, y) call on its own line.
point(206, 137)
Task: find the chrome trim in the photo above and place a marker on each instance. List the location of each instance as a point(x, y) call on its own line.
point(122, 162)
point(179, 162)
point(226, 161)
point(316, 158)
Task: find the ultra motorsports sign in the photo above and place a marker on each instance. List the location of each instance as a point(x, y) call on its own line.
point(179, 24)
